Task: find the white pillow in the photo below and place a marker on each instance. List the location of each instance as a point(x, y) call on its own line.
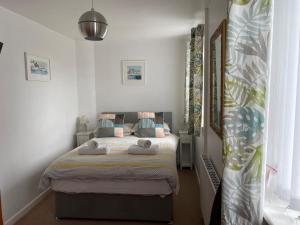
point(135, 128)
point(128, 129)
point(167, 128)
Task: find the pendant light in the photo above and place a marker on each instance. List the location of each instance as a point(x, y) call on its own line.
point(93, 25)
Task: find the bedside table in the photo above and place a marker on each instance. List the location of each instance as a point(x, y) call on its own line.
point(83, 137)
point(186, 149)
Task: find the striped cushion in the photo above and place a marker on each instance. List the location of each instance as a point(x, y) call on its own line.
point(110, 125)
point(150, 124)
point(146, 115)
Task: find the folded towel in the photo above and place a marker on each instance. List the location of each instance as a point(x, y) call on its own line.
point(92, 144)
point(137, 150)
point(101, 150)
point(144, 143)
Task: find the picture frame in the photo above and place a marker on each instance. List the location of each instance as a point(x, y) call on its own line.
point(134, 72)
point(37, 68)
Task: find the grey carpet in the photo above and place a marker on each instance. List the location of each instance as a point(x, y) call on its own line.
point(186, 208)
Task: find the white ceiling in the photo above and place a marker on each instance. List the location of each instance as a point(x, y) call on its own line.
point(128, 19)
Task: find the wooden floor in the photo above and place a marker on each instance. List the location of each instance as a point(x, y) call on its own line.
point(186, 208)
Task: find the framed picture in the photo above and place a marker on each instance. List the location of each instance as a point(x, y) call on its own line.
point(37, 68)
point(134, 72)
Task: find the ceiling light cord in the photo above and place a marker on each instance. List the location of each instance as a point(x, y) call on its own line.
point(92, 4)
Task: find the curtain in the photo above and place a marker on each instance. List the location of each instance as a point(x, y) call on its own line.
point(195, 87)
point(283, 155)
point(246, 76)
point(187, 82)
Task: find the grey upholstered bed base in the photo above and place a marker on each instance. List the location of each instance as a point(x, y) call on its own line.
point(114, 207)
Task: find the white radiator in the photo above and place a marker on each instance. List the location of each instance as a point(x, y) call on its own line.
point(209, 183)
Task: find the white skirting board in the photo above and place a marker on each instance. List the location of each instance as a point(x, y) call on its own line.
point(12, 220)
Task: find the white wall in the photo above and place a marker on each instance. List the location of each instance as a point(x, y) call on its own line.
point(165, 71)
point(217, 13)
point(209, 142)
point(85, 61)
point(37, 119)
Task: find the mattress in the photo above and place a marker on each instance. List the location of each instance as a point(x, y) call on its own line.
point(116, 172)
point(132, 187)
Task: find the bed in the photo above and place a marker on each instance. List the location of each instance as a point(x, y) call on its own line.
point(118, 185)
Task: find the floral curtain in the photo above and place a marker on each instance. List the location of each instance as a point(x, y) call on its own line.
point(195, 79)
point(246, 79)
point(187, 82)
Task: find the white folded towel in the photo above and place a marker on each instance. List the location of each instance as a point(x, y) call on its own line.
point(137, 150)
point(92, 144)
point(144, 143)
point(100, 150)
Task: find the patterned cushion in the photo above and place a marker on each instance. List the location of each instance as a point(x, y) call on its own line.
point(110, 125)
point(150, 124)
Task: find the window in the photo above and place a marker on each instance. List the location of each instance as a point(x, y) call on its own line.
point(283, 145)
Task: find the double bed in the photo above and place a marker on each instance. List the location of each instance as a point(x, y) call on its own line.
point(117, 185)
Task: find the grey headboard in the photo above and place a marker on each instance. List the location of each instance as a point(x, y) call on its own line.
point(132, 117)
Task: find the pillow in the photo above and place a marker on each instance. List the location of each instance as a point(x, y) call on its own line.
point(167, 128)
point(150, 124)
point(128, 129)
point(110, 125)
point(135, 128)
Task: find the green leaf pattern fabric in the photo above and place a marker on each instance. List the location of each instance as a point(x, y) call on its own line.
point(196, 80)
point(246, 76)
point(187, 82)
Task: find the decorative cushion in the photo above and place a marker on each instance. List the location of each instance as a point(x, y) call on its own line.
point(110, 125)
point(150, 124)
point(134, 129)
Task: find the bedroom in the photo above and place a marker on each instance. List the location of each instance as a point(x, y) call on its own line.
point(59, 91)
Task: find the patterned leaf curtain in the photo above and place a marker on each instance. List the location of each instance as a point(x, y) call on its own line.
point(194, 81)
point(246, 78)
point(187, 82)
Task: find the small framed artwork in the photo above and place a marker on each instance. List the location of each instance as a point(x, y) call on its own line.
point(134, 72)
point(37, 68)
